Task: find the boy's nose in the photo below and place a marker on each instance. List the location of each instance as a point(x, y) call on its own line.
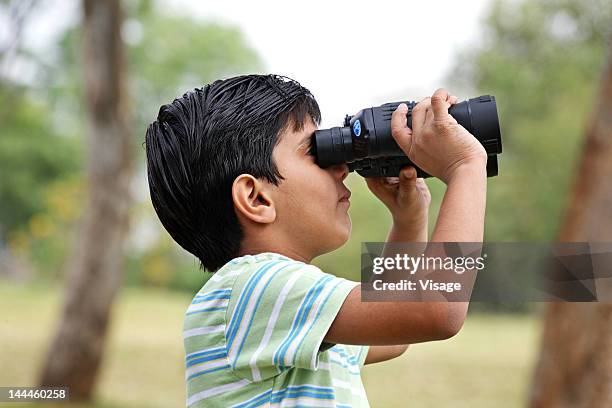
point(340, 171)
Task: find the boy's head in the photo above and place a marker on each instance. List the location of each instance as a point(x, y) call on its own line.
point(231, 172)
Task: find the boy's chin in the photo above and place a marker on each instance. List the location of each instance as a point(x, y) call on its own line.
point(343, 233)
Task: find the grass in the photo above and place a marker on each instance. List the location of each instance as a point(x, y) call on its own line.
point(487, 364)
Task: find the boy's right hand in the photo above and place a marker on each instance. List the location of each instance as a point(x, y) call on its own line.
point(436, 143)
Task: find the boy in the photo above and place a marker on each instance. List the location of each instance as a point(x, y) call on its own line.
point(233, 180)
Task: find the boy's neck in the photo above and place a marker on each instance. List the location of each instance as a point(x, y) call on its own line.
point(282, 250)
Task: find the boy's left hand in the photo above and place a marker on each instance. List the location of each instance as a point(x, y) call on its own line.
point(407, 197)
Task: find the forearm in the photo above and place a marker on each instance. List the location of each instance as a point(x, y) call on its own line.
point(461, 219)
point(414, 232)
point(462, 212)
point(419, 315)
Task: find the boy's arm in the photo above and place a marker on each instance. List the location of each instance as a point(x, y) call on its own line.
point(461, 219)
point(377, 354)
point(416, 231)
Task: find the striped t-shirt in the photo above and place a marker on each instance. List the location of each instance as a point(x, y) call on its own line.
point(254, 338)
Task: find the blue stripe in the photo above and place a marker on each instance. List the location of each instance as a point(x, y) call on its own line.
point(345, 366)
point(212, 370)
point(255, 401)
point(316, 318)
point(294, 389)
point(204, 352)
point(207, 298)
point(351, 359)
point(254, 311)
point(310, 394)
point(361, 350)
point(281, 351)
point(298, 323)
point(213, 292)
point(321, 388)
point(207, 358)
point(242, 302)
point(303, 393)
point(208, 309)
point(303, 306)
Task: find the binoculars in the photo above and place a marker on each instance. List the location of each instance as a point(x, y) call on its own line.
point(366, 145)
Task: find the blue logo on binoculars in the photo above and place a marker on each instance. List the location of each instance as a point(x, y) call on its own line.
point(357, 128)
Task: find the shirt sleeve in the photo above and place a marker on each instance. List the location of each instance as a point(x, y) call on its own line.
point(359, 353)
point(278, 315)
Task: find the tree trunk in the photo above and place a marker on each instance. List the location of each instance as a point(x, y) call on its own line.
point(575, 366)
point(94, 270)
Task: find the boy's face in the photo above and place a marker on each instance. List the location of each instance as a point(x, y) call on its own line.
point(308, 201)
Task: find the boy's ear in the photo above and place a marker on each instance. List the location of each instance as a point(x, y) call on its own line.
point(253, 200)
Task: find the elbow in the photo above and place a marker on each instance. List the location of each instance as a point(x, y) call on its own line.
point(449, 322)
point(449, 329)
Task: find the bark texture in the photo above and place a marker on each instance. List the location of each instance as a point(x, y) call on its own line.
point(575, 365)
point(95, 268)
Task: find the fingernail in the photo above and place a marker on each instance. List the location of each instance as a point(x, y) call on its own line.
point(402, 107)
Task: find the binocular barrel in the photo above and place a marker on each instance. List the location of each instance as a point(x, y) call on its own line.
point(366, 145)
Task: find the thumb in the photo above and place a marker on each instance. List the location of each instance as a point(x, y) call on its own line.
point(407, 179)
point(399, 129)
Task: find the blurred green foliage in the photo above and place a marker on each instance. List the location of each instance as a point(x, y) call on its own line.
point(32, 153)
point(541, 59)
point(43, 135)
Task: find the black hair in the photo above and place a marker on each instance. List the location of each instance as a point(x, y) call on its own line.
point(203, 140)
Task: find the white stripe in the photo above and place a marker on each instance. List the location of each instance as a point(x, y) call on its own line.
point(272, 322)
point(206, 304)
point(246, 317)
point(203, 330)
point(295, 318)
point(292, 350)
point(305, 402)
point(219, 291)
point(348, 386)
point(351, 369)
point(324, 365)
point(205, 366)
point(216, 390)
point(217, 277)
point(254, 398)
point(217, 349)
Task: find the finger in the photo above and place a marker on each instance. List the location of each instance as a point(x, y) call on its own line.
point(440, 104)
point(421, 185)
point(418, 114)
point(376, 184)
point(407, 183)
point(372, 182)
point(429, 117)
point(399, 130)
point(408, 176)
point(453, 99)
point(379, 190)
point(408, 172)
